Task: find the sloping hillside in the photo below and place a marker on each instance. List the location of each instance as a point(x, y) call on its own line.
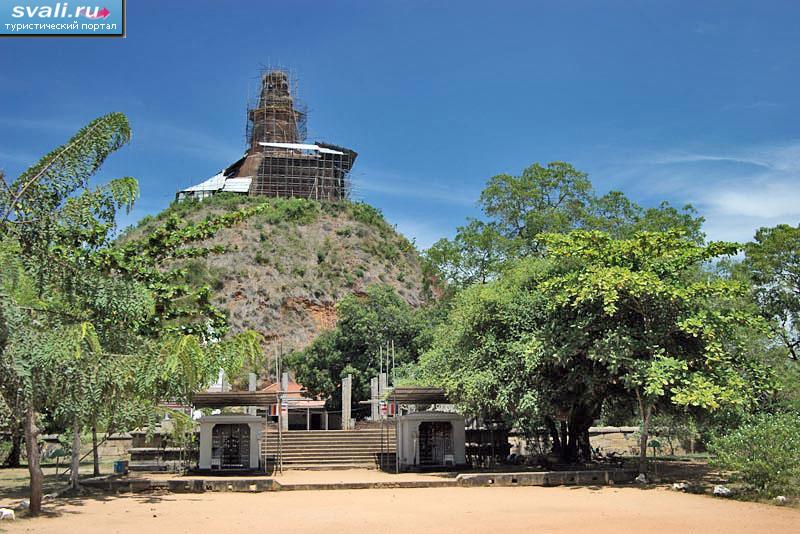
point(288, 267)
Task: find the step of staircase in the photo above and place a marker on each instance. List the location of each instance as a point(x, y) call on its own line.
point(329, 467)
point(332, 449)
point(329, 446)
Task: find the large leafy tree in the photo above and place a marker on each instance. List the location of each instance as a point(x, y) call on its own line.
point(552, 198)
point(664, 329)
point(83, 318)
point(772, 262)
point(498, 355)
point(366, 326)
point(51, 208)
point(544, 198)
point(474, 255)
point(599, 318)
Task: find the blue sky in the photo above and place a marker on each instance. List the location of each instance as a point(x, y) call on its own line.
point(681, 101)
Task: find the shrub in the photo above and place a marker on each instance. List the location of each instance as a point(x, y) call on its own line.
point(367, 214)
point(199, 274)
point(296, 210)
point(388, 251)
point(764, 453)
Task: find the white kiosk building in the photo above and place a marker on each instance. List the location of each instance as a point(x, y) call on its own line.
point(231, 442)
point(426, 438)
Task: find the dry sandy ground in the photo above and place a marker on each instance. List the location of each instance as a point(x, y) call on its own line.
point(416, 511)
point(332, 476)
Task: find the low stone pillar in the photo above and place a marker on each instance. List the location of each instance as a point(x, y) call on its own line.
point(251, 386)
point(347, 387)
point(374, 396)
point(284, 402)
point(382, 384)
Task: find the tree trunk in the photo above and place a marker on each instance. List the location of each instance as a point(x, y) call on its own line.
point(580, 422)
point(644, 412)
point(35, 470)
point(12, 460)
point(571, 438)
point(551, 426)
point(95, 452)
point(76, 454)
point(584, 445)
point(565, 453)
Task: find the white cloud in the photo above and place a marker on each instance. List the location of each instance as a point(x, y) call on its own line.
point(737, 191)
point(768, 201)
point(688, 157)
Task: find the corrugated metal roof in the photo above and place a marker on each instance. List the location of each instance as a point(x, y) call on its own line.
point(302, 146)
point(237, 185)
point(215, 183)
point(218, 182)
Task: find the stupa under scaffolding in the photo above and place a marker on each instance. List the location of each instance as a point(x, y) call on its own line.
point(279, 162)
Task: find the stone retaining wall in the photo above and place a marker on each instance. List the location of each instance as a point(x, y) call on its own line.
point(617, 439)
point(548, 478)
point(114, 484)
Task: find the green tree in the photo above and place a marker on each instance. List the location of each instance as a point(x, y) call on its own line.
point(499, 356)
point(665, 218)
point(49, 205)
point(366, 325)
point(82, 318)
point(772, 262)
point(598, 318)
point(544, 198)
point(552, 198)
point(668, 332)
point(472, 256)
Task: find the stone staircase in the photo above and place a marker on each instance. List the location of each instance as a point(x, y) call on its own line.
point(330, 449)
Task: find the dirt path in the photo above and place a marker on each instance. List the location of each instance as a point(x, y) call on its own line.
point(410, 511)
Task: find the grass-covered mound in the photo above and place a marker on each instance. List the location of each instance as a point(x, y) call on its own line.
point(287, 267)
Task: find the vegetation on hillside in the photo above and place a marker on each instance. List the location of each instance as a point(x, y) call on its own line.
point(285, 269)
